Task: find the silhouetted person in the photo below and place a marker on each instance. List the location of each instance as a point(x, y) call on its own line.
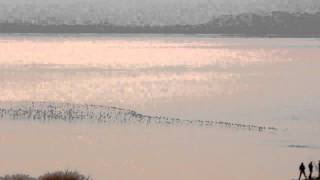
point(319, 169)
point(302, 169)
point(310, 169)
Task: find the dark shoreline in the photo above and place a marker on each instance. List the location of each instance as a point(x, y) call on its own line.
point(274, 24)
point(209, 35)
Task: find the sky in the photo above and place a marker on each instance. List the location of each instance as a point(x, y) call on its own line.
point(139, 12)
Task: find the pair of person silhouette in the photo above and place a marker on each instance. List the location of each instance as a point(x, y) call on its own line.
point(302, 170)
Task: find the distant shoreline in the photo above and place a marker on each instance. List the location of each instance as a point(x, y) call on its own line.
point(211, 35)
point(275, 24)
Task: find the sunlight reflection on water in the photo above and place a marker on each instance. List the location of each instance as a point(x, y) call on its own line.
point(159, 74)
point(255, 80)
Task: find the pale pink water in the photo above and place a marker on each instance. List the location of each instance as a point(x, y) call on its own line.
point(248, 80)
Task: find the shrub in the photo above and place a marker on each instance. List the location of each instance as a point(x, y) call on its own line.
point(64, 175)
point(58, 175)
point(17, 177)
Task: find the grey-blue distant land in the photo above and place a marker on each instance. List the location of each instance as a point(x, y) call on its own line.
point(247, 17)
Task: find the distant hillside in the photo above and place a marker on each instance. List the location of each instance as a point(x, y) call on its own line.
point(50, 111)
point(141, 12)
point(277, 23)
point(247, 24)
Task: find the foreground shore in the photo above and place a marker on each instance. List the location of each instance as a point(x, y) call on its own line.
point(64, 175)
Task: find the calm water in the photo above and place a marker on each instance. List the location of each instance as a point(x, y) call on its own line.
point(263, 81)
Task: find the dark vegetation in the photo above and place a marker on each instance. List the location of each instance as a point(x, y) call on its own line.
point(246, 24)
point(17, 177)
point(59, 175)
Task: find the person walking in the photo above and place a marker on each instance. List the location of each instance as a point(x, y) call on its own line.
point(319, 169)
point(310, 169)
point(302, 169)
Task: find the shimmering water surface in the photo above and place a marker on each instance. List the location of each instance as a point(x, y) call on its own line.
point(262, 81)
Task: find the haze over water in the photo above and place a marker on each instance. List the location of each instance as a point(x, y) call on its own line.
point(262, 81)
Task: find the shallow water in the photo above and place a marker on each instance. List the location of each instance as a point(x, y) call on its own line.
point(154, 152)
point(262, 81)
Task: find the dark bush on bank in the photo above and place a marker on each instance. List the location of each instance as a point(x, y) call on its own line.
point(64, 175)
point(59, 175)
point(17, 177)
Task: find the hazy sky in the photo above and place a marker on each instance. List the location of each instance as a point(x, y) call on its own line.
point(141, 11)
